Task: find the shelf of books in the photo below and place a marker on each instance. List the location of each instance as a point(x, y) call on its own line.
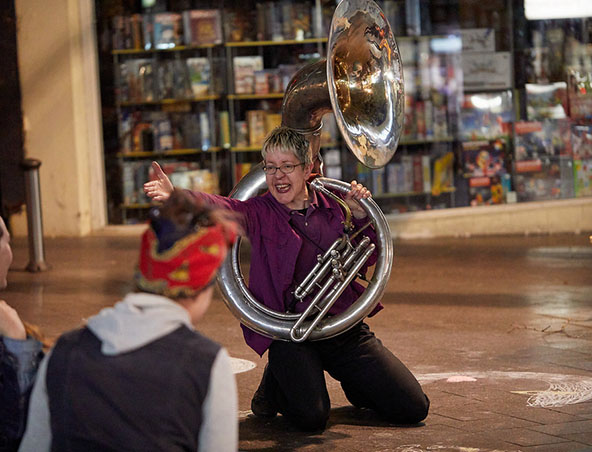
point(199, 89)
point(257, 83)
point(169, 81)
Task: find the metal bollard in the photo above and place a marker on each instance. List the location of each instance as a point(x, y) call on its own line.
point(34, 220)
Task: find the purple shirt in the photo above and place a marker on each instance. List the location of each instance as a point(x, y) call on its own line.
point(281, 254)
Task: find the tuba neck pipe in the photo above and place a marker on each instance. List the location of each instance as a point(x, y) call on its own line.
point(307, 99)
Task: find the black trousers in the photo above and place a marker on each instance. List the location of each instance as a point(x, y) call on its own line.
point(370, 375)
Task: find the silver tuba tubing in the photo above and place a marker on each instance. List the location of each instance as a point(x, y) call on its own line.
point(320, 269)
point(361, 82)
point(335, 285)
point(279, 325)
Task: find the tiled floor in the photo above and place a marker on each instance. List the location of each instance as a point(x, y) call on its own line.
point(498, 330)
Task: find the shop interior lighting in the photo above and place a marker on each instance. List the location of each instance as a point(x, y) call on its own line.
point(447, 44)
point(486, 103)
point(557, 9)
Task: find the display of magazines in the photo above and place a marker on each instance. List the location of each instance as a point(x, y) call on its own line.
point(583, 177)
point(485, 191)
point(547, 177)
point(484, 158)
point(546, 101)
point(579, 93)
point(581, 138)
point(485, 116)
point(535, 139)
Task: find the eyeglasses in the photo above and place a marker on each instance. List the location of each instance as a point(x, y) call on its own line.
point(286, 168)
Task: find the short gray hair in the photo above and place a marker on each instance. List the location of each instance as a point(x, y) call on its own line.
point(285, 139)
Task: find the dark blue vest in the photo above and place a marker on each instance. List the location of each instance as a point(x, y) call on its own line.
point(12, 411)
point(149, 399)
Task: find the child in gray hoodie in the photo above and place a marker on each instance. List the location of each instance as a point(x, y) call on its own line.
point(138, 376)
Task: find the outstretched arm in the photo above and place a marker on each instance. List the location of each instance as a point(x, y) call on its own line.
point(161, 188)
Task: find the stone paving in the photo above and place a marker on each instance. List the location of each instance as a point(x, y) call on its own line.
point(497, 329)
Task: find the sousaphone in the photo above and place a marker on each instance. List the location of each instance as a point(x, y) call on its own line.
point(361, 82)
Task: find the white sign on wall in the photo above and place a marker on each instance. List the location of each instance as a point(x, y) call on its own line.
point(487, 70)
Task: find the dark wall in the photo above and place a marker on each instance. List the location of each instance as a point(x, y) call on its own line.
point(12, 188)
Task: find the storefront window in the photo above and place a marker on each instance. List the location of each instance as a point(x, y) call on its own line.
point(498, 108)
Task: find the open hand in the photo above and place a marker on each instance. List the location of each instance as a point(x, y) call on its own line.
point(11, 324)
point(357, 192)
point(161, 188)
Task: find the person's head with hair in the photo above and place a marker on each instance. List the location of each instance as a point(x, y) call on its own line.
point(287, 163)
point(284, 139)
point(182, 250)
point(5, 253)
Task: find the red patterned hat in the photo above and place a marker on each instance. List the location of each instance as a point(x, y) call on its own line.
point(185, 265)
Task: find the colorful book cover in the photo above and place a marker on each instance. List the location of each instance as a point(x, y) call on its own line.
point(202, 26)
point(549, 177)
point(224, 122)
point(484, 158)
point(167, 30)
point(137, 81)
point(485, 191)
point(301, 20)
point(166, 79)
point(272, 120)
point(241, 170)
point(378, 181)
point(480, 191)
point(242, 134)
point(240, 25)
point(202, 180)
point(407, 164)
point(486, 116)
point(395, 178)
point(120, 33)
point(583, 177)
point(581, 136)
point(443, 174)
point(199, 75)
point(535, 139)
point(244, 73)
point(134, 175)
point(546, 101)
point(417, 174)
point(256, 125)
point(364, 175)
point(579, 93)
point(205, 132)
point(426, 173)
point(262, 79)
point(181, 82)
point(191, 133)
point(148, 31)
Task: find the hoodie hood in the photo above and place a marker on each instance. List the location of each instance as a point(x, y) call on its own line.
point(137, 320)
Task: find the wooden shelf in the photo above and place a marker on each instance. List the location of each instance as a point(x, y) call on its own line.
point(170, 101)
point(255, 96)
point(136, 206)
point(286, 42)
point(412, 193)
point(427, 140)
point(245, 149)
point(170, 49)
point(171, 153)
